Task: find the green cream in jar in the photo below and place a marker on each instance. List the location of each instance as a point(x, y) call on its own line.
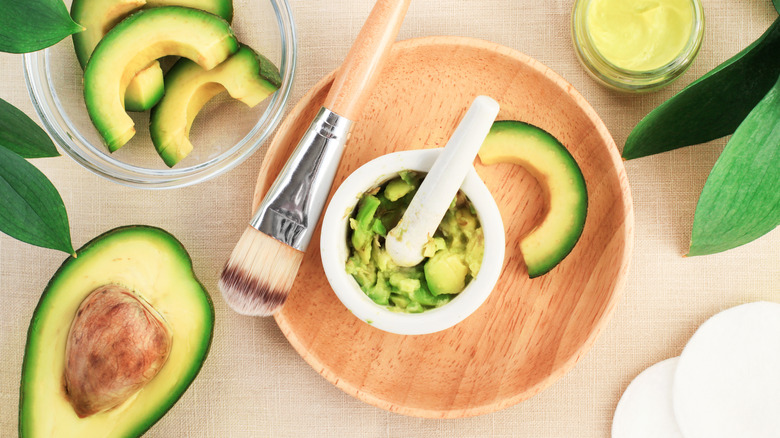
point(637, 45)
point(640, 35)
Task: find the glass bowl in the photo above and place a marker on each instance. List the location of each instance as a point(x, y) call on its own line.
point(621, 79)
point(224, 134)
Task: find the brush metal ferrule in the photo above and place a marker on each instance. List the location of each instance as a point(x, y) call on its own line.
point(293, 205)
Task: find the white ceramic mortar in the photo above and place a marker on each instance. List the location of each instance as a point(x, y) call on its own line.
point(334, 250)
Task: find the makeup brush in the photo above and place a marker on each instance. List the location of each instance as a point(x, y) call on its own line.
point(262, 267)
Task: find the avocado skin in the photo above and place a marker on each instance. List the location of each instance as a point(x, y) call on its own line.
point(39, 314)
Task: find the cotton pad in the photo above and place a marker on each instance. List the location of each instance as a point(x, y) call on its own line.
point(645, 409)
point(727, 382)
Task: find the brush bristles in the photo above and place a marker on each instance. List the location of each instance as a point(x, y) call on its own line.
point(259, 274)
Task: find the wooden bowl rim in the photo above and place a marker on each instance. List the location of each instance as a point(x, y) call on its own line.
point(628, 236)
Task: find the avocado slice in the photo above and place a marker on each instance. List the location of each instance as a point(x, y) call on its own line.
point(152, 268)
point(99, 16)
point(557, 172)
point(246, 76)
point(132, 45)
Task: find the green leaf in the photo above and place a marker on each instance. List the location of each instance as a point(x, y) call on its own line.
point(777, 5)
point(23, 136)
point(714, 105)
point(741, 199)
point(30, 25)
point(32, 210)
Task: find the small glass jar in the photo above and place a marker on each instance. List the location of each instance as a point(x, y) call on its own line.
point(625, 79)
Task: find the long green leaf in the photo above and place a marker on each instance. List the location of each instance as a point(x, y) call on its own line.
point(23, 136)
point(30, 25)
point(714, 105)
point(741, 199)
point(32, 210)
point(777, 5)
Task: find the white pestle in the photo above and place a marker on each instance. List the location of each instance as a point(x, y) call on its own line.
point(405, 242)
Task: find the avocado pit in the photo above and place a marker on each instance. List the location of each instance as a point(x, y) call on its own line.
point(116, 344)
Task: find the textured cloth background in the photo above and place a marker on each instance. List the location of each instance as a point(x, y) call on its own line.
point(254, 384)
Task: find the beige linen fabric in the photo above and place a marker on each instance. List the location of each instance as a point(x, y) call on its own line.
point(255, 385)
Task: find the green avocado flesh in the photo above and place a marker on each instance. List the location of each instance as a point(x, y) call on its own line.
point(132, 45)
point(453, 255)
point(222, 8)
point(246, 76)
point(99, 16)
point(156, 270)
point(145, 89)
point(562, 182)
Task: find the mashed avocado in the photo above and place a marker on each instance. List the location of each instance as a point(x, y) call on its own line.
point(453, 255)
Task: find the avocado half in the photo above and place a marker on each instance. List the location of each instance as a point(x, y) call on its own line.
point(246, 75)
point(544, 157)
point(99, 16)
point(157, 269)
point(132, 45)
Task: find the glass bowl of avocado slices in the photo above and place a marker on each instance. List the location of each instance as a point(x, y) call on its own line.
point(463, 259)
point(165, 93)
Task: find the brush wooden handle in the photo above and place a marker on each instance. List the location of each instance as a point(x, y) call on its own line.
point(359, 73)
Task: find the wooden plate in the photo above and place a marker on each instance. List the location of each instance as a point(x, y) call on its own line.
point(530, 332)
